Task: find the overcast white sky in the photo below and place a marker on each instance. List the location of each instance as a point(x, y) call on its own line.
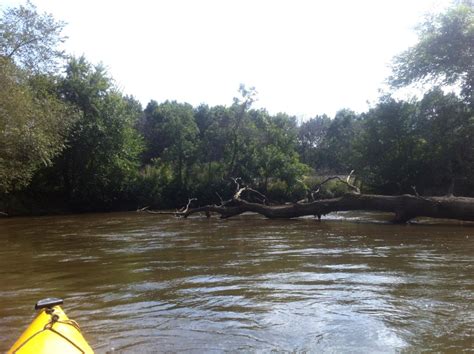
point(303, 57)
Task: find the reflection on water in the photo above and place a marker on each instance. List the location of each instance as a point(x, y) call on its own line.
point(139, 282)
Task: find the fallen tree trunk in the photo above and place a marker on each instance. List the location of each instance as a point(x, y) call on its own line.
point(405, 207)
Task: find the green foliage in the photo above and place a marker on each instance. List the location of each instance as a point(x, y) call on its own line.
point(444, 53)
point(398, 145)
point(337, 150)
point(102, 157)
point(311, 134)
point(446, 127)
point(31, 39)
point(75, 140)
point(240, 131)
point(149, 187)
point(206, 146)
point(33, 125)
point(170, 132)
point(327, 144)
point(331, 189)
point(388, 148)
point(275, 155)
point(33, 120)
point(425, 144)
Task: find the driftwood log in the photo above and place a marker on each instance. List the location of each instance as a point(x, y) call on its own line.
point(405, 207)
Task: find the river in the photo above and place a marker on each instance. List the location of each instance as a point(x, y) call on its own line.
point(137, 282)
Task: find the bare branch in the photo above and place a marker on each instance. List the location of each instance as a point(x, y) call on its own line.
point(222, 201)
point(239, 192)
point(237, 184)
point(346, 182)
point(348, 179)
point(186, 208)
point(247, 189)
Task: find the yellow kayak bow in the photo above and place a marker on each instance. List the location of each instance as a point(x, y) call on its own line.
point(51, 332)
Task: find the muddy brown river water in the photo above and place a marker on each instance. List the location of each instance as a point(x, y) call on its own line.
point(147, 283)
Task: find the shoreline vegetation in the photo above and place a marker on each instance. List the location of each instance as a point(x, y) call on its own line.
point(71, 141)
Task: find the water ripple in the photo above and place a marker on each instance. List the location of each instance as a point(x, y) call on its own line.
point(142, 283)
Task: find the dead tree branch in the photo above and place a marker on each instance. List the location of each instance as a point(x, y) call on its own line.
point(405, 207)
point(186, 208)
point(347, 182)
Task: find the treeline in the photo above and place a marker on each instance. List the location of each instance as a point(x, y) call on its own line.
point(398, 147)
point(71, 141)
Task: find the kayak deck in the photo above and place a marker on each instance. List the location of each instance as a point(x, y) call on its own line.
point(51, 332)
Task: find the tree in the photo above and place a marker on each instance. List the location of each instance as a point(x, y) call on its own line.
point(31, 39)
point(33, 120)
point(276, 158)
point(170, 133)
point(102, 156)
point(442, 126)
point(33, 125)
point(214, 129)
point(424, 144)
point(239, 109)
point(444, 53)
point(405, 207)
point(337, 145)
point(446, 127)
point(388, 152)
point(311, 136)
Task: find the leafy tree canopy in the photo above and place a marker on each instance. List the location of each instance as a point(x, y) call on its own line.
point(33, 125)
point(103, 150)
point(31, 39)
point(444, 53)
